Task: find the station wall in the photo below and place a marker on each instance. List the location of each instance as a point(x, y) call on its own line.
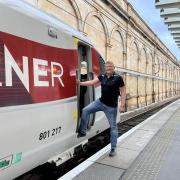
point(121, 35)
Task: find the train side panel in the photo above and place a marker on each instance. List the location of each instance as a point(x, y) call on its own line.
point(38, 100)
point(37, 93)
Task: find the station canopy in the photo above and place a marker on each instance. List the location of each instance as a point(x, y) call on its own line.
point(170, 11)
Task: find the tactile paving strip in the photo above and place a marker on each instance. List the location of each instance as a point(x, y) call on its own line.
point(147, 165)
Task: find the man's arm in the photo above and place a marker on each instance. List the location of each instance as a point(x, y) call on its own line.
point(123, 98)
point(89, 83)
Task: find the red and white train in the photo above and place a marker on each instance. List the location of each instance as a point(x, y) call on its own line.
point(40, 103)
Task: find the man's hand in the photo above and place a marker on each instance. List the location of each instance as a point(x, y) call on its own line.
point(88, 83)
point(121, 108)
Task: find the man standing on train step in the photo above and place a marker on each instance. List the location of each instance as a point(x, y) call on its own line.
point(112, 85)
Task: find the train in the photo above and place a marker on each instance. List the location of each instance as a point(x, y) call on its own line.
point(41, 59)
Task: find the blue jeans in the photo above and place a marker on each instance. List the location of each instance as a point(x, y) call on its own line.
point(111, 114)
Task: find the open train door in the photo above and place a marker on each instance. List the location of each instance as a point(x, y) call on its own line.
point(85, 95)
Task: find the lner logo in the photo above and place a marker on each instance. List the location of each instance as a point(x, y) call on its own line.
point(40, 68)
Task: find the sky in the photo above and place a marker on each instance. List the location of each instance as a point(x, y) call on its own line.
point(146, 9)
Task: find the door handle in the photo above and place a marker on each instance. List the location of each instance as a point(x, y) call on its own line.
point(78, 99)
point(77, 74)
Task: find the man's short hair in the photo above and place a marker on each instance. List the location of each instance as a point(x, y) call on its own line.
point(109, 62)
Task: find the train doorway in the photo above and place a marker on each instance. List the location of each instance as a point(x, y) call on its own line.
point(85, 95)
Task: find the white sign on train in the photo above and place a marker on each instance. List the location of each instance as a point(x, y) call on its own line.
point(10, 64)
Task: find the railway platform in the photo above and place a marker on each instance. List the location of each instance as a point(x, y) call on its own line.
point(148, 151)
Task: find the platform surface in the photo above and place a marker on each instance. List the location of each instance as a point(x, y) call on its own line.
point(150, 150)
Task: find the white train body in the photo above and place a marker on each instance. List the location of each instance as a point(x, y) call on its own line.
point(39, 98)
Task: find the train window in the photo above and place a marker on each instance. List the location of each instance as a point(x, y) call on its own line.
point(83, 59)
point(101, 64)
point(83, 67)
point(97, 62)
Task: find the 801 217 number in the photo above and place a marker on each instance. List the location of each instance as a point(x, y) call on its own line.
point(49, 133)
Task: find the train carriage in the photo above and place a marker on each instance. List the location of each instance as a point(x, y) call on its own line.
point(40, 102)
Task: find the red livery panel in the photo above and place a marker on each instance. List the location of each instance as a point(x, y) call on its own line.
point(31, 72)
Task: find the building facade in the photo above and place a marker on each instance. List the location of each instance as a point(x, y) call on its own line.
point(151, 71)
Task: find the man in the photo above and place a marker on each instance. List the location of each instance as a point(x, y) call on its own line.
point(112, 85)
